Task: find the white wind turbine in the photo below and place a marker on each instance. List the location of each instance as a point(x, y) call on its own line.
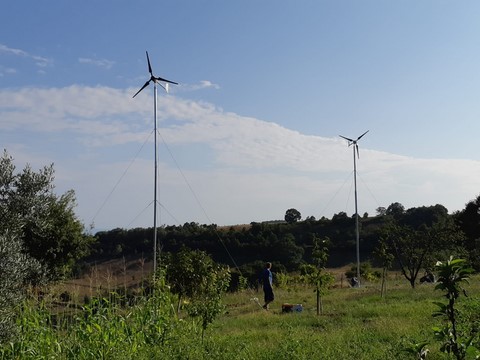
point(355, 150)
point(164, 84)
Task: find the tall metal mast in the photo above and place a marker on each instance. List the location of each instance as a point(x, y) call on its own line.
point(155, 80)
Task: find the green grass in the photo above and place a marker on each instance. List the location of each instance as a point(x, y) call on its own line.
point(356, 324)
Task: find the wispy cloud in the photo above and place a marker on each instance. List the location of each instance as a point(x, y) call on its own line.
point(6, 70)
point(203, 84)
point(247, 169)
point(103, 63)
point(40, 61)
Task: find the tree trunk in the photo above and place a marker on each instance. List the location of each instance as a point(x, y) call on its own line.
point(383, 289)
point(179, 304)
point(318, 301)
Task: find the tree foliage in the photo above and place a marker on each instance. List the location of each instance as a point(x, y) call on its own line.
point(385, 257)
point(288, 245)
point(395, 210)
point(16, 269)
point(315, 273)
point(292, 215)
point(44, 223)
point(451, 276)
point(185, 270)
point(419, 235)
point(468, 221)
point(194, 275)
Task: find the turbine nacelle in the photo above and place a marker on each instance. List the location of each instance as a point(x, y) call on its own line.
point(156, 80)
point(354, 142)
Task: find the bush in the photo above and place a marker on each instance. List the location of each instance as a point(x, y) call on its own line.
point(366, 272)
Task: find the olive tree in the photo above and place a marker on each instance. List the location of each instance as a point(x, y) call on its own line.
point(44, 223)
point(16, 269)
point(39, 235)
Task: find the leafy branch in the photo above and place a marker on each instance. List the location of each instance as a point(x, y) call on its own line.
point(452, 274)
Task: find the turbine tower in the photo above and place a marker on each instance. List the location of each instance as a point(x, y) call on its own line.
point(164, 84)
point(355, 150)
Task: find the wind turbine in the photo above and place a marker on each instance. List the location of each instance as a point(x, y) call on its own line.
point(155, 80)
point(355, 150)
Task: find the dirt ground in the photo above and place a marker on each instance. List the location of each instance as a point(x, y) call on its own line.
point(107, 275)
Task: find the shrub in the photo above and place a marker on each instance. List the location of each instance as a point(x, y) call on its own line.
point(451, 276)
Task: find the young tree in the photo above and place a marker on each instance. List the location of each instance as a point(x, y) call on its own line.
point(207, 302)
point(194, 275)
point(183, 272)
point(383, 253)
point(315, 273)
point(451, 275)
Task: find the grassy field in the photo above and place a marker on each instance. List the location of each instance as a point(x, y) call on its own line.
point(356, 323)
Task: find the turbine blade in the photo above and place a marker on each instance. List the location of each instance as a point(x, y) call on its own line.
point(143, 87)
point(362, 135)
point(149, 67)
point(358, 152)
point(350, 140)
point(165, 80)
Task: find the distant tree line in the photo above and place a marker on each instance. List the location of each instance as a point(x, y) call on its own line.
point(416, 234)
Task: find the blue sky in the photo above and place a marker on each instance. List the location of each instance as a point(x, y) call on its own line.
point(265, 88)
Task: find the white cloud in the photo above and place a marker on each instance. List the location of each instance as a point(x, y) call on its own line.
point(104, 63)
point(6, 70)
point(17, 52)
point(241, 169)
point(203, 84)
point(40, 61)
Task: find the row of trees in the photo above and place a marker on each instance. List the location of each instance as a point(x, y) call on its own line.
point(414, 238)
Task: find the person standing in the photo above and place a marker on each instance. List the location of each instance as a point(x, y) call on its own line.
point(267, 281)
